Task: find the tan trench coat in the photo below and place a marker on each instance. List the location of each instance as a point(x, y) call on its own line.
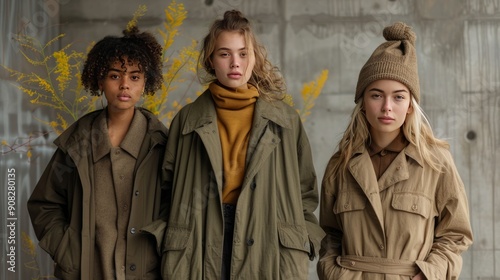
point(412, 217)
point(61, 206)
point(275, 231)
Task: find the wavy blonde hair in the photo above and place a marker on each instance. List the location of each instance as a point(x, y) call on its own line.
point(416, 129)
point(265, 76)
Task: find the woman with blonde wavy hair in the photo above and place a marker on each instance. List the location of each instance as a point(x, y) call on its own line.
point(393, 205)
point(240, 168)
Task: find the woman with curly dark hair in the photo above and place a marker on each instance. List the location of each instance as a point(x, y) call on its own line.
point(101, 187)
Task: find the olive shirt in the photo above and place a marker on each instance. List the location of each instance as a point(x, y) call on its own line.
point(114, 177)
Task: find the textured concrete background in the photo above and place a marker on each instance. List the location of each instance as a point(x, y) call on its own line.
point(458, 46)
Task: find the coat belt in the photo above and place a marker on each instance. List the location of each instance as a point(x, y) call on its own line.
point(378, 265)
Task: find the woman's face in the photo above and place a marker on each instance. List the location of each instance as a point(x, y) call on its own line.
point(123, 86)
point(233, 60)
point(386, 104)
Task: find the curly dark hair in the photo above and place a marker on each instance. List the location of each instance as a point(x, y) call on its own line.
point(142, 48)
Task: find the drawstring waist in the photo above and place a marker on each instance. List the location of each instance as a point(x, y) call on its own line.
point(378, 265)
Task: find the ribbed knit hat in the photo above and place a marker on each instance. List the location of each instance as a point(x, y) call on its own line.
point(395, 59)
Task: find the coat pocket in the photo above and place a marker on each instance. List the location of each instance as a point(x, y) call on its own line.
point(176, 238)
point(67, 255)
point(294, 237)
point(176, 260)
point(349, 201)
point(294, 251)
point(412, 203)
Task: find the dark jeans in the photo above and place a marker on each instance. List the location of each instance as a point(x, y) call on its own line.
point(229, 212)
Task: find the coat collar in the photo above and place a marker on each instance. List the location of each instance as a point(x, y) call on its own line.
point(410, 150)
point(76, 140)
point(131, 143)
point(202, 112)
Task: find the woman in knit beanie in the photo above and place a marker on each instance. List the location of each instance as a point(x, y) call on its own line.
point(240, 168)
point(393, 205)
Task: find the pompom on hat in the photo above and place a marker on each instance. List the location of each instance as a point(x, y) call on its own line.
point(395, 59)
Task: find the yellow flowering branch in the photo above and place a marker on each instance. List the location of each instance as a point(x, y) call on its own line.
point(310, 93)
point(176, 66)
point(29, 248)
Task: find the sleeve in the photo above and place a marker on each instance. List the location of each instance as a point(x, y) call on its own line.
point(453, 233)
point(331, 243)
point(309, 192)
point(48, 204)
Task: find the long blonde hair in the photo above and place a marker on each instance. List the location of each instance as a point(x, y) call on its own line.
point(416, 129)
point(265, 76)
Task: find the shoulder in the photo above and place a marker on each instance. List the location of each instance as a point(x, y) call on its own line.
point(154, 124)
point(279, 112)
point(442, 155)
point(80, 129)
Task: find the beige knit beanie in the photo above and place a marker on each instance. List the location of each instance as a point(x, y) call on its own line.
point(395, 59)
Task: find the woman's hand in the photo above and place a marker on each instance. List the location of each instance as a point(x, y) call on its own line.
point(419, 276)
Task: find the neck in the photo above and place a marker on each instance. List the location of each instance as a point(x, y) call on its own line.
point(120, 118)
point(383, 139)
point(118, 125)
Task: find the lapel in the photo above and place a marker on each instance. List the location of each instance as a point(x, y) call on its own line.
point(361, 168)
point(202, 119)
point(395, 173)
point(269, 119)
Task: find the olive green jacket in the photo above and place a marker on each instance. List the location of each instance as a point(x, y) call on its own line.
point(62, 210)
point(276, 232)
point(413, 215)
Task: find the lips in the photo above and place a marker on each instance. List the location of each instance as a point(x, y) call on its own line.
point(124, 97)
point(234, 75)
point(386, 119)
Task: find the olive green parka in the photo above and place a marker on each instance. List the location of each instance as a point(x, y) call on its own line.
point(62, 210)
point(276, 232)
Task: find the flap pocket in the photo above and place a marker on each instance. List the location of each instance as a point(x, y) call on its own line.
point(412, 203)
point(349, 201)
point(176, 238)
point(294, 237)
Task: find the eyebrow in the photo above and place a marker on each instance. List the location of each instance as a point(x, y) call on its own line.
point(396, 91)
point(228, 49)
point(118, 70)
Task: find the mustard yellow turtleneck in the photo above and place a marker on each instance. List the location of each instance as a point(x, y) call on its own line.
point(235, 109)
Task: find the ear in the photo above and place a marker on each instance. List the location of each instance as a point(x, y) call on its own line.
point(410, 110)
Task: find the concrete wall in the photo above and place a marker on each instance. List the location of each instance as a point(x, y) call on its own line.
point(458, 46)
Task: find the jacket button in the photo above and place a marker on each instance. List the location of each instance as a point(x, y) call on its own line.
point(136, 193)
point(346, 206)
point(250, 242)
point(353, 263)
point(381, 246)
point(253, 186)
point(132, 230)
point(414, 207)
point(132, 267)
